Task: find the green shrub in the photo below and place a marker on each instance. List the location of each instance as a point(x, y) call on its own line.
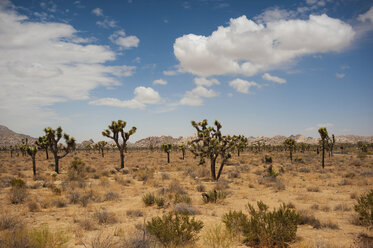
point(148, 199)
point(174, 229)
point(76, 170)
point(267, 159)
point(235, 221)
point(182, 198)
point(214, 196)
point(364, 208)
point(217, 237)
point(159, 201)
point(271, 229)
point(43, 238)
point(17, 183)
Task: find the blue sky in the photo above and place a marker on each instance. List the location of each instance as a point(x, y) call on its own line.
point(262, 68)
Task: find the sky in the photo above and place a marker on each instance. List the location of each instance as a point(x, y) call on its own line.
point(262, 68)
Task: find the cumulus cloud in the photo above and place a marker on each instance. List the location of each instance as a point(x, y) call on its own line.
point(160, 81)
point(275, 79)
point(98, 12)
point(126, 42)
point(368, 16)
point(143, 96)
point(340, 75)
point(246, 47)
point(243, 86)
point(195, 96)
point(274, 14)
point(206, 82)
point(42, 64)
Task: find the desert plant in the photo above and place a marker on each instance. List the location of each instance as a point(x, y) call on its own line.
point(211, 144)
point(364, 207)
point(76, 170)
point(290, 145)
point(53, 137)
point(331, 145)
point(235, 221)
point(216, 237)
point(267, 159)
point(241, 144)
point(116, 129)
point(213, 195)
point(101, 146)
point(174, 229)
point(271, 229)
point(18, 191)
point(182, 148)
point(44, 238)
point(148, 199)
point(324, 139)
point(43, 143)
point(167, 149)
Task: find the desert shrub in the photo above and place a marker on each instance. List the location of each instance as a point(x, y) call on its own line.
point(183, 208)
point(73, 197)
point(111, 196)
point(159, 201)
point(271, 229)
point(87, 224)
point(201, 188)
point(8, 222)
point(214, 196)
point(342, 207)
point(174, 229)
point(165, 176)
point(267, 159)
point(77, 170)
point(43, 238)
point(15, 238)
point(272, 172)
point(59, 203)
point(33, 206)
point(139, 239)
point(216, 237)
point(103, 241)
point(364, 208)
point(309, 219)
point(134, 213)
point(104, 217)
point(175, 187)
point(313, 189)
point(221, 185)
point(330, 224)
point(304, 170)
point(182, 198)
point(235, 221)
point(18, 192)
point(148, 199)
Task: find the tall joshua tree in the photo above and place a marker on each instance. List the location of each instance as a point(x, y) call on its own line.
point(167, 149)
point(42, 143)
point(115, 131)
point(241, 144)
point(211, 144)
point(53, 137)
point(324, 140)
point(290, 144)
point(101, 146)
point(182, 148)
point(32, 150)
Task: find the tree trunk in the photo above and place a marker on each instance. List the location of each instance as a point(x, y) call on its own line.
point(291, 155)
point(46, 153)
point(220, 170)
point(323, 155)
point(121, 159)
point(183, 155)
point(33, 164)
point(102, 152)
point(238, 152)
point(168, 157)
point(56, 160)
point(213, 175)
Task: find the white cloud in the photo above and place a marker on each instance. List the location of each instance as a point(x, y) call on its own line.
point(126, 42)
point(275, 14)
point(327, 124)
point(160, 81)
point(340, 75)
point(206, 82)
point(275, 79)
point(242, 86)
point(98, 12)
point(143, 96)
point(195, 96)
point(245, 47)
point(170, 72)
point(368, 16)
point(37, 71)
point(107, 23)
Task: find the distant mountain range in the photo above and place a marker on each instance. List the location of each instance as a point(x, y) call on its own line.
point(8, 137)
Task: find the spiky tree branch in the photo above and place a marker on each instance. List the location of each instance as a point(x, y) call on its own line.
point(290, 144)
point(182, 148)
point(324, 140)
point(167, 149)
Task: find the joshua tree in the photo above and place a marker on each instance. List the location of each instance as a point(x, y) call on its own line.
point(53, 137)
point(167, 149)
point(241, 144)
point(331, 145)
point(211, 144)
point(22, 147)
point(324, 140)
point(101, 146)
point(11, 148)
point(290, 144)
point(182, 148)
point(116, 129)
point(32, 150)
point(42, 143)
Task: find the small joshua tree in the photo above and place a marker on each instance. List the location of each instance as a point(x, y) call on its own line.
point(42, 143)
point(331, 145)
point(290, 144)
point(53, 137)
point(32, 150)
point(11, 149)
point(324, 140)
point(115, 130)
point(101, 146)
point(182, 148)
point(167, 149)
point(242, 143)
point(22, 147)
point(211, 144)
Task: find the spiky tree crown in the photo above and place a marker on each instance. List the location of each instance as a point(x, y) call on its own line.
point(290, 143)
point(116, 129)
point(323, 133)
point(101, 144)
point(54, 136)
point(166, 147)
point(182, 147)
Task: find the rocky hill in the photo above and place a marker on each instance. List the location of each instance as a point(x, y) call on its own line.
point(8, 137)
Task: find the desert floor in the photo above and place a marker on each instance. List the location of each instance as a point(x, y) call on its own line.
point(108, 204)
